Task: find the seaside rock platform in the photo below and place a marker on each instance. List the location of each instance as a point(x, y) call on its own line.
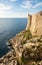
point(26, 49)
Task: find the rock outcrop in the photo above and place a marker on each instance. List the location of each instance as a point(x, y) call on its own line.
point(35, 23)
point(26, 50)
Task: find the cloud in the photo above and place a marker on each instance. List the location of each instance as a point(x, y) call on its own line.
point(12, 15)
point(8, 1)
point(38, 4)
point(4, 7)
point(13, 0)
point(28, 4)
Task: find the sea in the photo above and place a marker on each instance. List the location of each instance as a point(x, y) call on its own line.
point(9, 27)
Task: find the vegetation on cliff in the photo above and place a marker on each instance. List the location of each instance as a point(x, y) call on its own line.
point(25, 50)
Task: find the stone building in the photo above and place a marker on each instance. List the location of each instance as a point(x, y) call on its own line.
point(35, 23)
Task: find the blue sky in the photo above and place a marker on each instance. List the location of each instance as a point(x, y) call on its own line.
point(19, 8)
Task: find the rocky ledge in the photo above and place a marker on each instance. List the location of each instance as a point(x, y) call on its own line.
point(26, 50)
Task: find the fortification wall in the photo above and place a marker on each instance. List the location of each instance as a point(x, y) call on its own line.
point(29, 22)
point(35, 24)
point(38, 24)
point(32, 27)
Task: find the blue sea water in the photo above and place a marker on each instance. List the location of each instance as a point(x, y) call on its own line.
point(9, 27)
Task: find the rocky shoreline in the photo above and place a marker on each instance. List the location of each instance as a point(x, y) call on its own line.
point(25, 50)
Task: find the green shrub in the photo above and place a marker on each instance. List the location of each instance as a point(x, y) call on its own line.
point(33, 64)
point(27, 34)
point(23, 42)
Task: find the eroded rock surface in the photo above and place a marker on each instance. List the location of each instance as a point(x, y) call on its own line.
point(26, 50)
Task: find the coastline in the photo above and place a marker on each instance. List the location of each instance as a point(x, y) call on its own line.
point(23, 48)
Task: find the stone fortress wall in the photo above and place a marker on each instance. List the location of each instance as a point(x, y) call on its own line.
point(35, 23)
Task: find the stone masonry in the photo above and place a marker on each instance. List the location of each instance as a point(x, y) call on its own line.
point(35, 23)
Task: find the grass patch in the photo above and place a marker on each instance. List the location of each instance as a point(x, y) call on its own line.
point(27, 34)
point(23, 42)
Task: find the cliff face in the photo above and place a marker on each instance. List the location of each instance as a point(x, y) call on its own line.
point(35, 24)
point(25, 48)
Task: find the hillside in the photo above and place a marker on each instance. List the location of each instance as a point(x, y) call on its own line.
point(25, 50)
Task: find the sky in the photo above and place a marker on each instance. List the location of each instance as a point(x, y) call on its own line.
point(19, 8)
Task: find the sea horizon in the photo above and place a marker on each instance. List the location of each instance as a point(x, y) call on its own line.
point(9, 27)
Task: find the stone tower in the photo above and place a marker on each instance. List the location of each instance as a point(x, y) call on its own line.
point(35, 23)
point(29, 21)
